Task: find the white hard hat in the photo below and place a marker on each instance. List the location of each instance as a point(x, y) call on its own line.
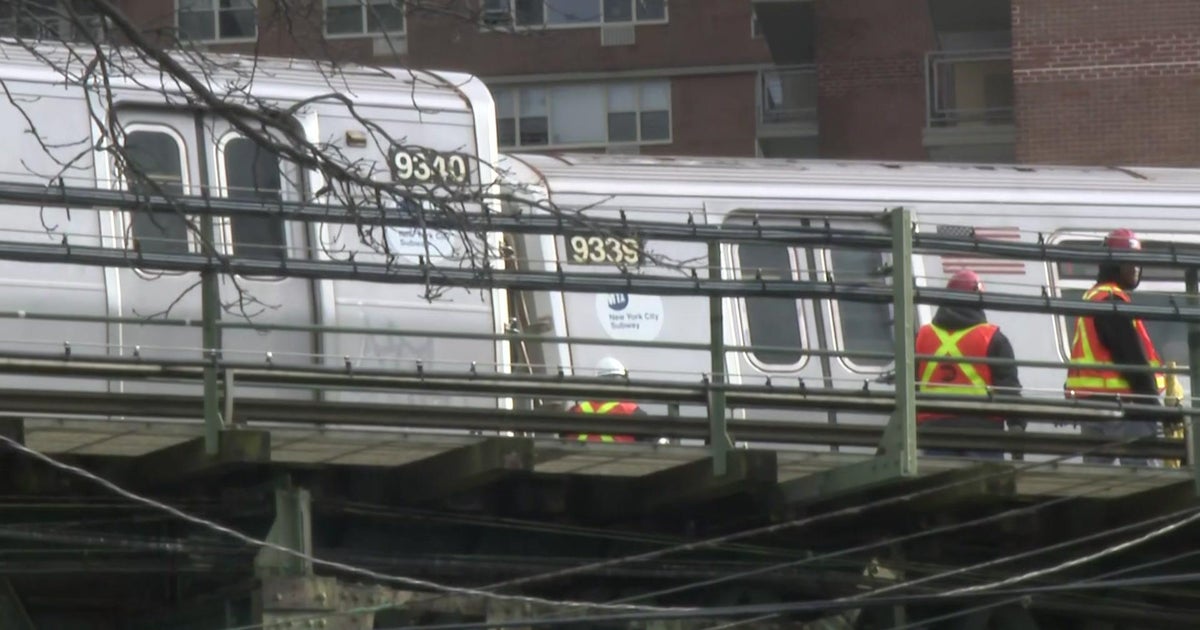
point(609, 366)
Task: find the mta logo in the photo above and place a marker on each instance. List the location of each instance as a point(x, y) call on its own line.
point(618, 301)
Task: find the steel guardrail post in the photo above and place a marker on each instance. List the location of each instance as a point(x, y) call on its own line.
point(210, 314)
point(718, 434)
point(1192, 282)
point(900, 440)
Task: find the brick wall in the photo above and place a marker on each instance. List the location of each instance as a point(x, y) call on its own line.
point(712, 114)
point(871, 84)
point(1107, 81)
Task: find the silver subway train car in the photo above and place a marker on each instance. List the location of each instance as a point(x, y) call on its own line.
point(366, 118)
point(1015, 203)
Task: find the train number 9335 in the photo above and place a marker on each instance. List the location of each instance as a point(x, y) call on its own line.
point(595, 249)
point(423, 166)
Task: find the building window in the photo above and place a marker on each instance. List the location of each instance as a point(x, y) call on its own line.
point(51, 20)
point(584, 114)
point(577, 12)
point(862, 326)
point(363, 17)
point(211, 20)
point(156, 156)
point(253, 172)
point(773, 324)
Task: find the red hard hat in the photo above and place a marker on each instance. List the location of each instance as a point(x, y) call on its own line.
point(1122, 238)
point(965, 280)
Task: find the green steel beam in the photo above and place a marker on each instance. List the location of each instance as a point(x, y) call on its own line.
point(292, 529)
point(900, 437)
point(1192, 280)
point(718, 435)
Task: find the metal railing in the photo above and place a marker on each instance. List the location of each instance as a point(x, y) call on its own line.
point(970, 86)
point(215, 365)
point(787, 95)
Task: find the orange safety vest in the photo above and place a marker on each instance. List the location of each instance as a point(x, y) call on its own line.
point(613, 408)
point(1088, 375)
point(949, 376)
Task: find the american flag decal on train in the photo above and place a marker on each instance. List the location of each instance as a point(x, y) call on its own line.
point(981, 264)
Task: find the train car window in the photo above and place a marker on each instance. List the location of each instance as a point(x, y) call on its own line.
point(254, 172)
point(772, 322)
point(1087, 271)
point(158, 157)
point(870, 323)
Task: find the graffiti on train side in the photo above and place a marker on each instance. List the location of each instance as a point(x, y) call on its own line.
point(397, 353)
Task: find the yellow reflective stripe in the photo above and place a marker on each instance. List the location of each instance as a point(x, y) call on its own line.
point(586, 407)
point(583, 437)
point(1097, 382)
point(949, 348)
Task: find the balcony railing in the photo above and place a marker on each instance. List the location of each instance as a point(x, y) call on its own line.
point(787, 95)
point(968, 87)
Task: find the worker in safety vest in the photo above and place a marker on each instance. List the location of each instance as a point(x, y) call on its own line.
point(961, 331)
point(1104, 341)
point(607, 368)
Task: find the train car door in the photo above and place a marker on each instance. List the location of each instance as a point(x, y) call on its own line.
point(185, 152)
point(776, 336)
point(860, 333)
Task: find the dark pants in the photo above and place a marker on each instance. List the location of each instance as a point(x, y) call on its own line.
point(977, 424)
point(1118, 431)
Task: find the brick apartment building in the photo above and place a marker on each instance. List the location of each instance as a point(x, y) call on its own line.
point(689, 77)
point(1035, 81)
point(1032, 81)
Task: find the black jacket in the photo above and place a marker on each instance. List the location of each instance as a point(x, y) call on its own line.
point(1004, 377)
point(1117, 333)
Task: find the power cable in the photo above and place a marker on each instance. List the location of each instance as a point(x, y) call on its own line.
point(1017, 600)
point(699, 544)
point(808, 606)
point(250, 540)
point(864, 547)
point(470, 591)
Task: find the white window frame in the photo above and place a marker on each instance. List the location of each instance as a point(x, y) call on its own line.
point(127, 235)
point(217, 39)
point(402, 32)
point(1057, 283)
point(755, 25)
point(545, 25)
point(223, 224)
point(802, 315)
point(834, 314)
point(515, 94)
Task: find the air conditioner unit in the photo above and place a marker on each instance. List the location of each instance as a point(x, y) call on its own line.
point(496, 12)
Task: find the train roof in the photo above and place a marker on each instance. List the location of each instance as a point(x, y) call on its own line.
point(603, 174)
point(271, 77)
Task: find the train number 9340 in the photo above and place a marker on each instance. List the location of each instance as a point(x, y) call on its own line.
point(594, 249)
point(423, 166)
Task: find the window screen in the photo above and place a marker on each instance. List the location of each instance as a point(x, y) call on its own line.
point(157, 156)
point(253, 172)
point(865, 326)
point(772, 321)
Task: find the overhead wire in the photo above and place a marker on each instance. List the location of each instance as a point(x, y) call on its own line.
point(1018, 600)
point(864, 547)
point(481, 592)
point(690, 546)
